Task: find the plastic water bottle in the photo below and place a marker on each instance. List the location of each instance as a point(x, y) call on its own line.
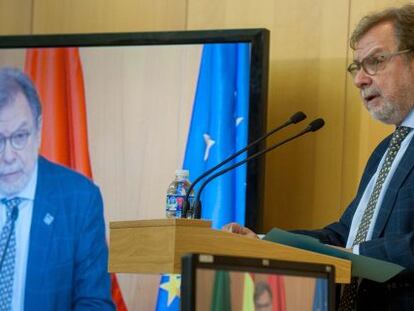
point(176, 193)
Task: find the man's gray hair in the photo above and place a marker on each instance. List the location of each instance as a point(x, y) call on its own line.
point(402, 18)
point(12, 82)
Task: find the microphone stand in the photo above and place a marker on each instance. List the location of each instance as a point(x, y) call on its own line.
point(312, 127)
point(295, 118)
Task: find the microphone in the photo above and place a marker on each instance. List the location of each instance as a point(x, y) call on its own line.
point(14, 216)
point(295, 118)
point(312, 127)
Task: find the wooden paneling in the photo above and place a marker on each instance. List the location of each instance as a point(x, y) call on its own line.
point(205, 14)
point(307, 73)
point(15, 17)
point(80, 16)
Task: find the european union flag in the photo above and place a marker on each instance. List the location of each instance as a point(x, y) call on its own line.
point(169, 292)
point(219, 127)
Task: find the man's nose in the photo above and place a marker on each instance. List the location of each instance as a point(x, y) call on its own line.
point(362, 79)
point(9, 154)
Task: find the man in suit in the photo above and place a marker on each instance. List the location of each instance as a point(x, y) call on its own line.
point(379, 222)
point(53, 253)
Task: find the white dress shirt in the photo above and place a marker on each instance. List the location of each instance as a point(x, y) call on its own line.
point(409, 122)
point(22, 228)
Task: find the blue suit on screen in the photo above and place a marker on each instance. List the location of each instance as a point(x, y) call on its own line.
point(67, 261)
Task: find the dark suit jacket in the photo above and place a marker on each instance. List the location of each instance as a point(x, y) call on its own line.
point(393, 235)
point(67, 261)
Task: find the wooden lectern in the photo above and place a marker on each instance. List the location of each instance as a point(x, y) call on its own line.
point(156, 246)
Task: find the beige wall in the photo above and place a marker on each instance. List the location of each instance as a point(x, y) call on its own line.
point(310, 181)
point(138, 132)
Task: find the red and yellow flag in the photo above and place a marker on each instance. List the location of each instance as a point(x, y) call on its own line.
point(57, 75)
point(277, 285)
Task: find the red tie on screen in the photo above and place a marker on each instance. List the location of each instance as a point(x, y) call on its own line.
point(57, 75)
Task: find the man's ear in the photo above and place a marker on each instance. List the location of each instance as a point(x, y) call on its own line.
point(39, 123)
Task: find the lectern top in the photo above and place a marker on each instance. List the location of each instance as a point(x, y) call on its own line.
point(160, 223)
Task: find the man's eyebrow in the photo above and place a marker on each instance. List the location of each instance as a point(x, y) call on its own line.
point(371, 53)
point(22, 125)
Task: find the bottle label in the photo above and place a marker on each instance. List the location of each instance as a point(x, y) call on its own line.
point(175, 205)
point(181, 189)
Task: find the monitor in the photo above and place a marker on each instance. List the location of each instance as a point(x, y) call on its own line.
point(140, 89)
point(236, 283)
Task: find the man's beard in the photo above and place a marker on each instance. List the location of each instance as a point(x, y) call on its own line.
point(8, 188)
point(387, 113)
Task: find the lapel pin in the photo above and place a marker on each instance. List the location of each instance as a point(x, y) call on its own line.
point(48, 219)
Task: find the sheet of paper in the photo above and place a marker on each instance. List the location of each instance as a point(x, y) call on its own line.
point(362, 266)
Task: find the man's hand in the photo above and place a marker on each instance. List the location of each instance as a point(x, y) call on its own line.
point(238, 229)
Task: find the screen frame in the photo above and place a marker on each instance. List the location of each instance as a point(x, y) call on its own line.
point(258, 88)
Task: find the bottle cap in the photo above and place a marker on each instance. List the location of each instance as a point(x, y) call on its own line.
point(182, 173)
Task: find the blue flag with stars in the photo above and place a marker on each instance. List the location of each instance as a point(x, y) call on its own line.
point(169, 292)
point(219, 127)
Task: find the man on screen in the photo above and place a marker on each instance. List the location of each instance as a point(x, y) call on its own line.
point(379, 222)
point(53, 253)
point(262, 297)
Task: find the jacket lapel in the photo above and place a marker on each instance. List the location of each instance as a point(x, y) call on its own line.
point(404, 168)
point(40, 232)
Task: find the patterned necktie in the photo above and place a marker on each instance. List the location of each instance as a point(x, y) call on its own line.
point(349, 295)
point(8, 254)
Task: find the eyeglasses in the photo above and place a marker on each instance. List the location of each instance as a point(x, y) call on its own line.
point(18, 140)
point(372, 64)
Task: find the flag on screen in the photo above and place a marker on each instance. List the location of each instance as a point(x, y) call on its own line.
point(219, 127)
point(248, 293)
point(277, 285)
point(57, 75)
point(221, 295)
point(320, 298)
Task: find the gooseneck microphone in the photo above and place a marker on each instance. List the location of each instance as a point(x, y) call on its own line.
point(312, 127)
point(295, 118)
point(14, 216)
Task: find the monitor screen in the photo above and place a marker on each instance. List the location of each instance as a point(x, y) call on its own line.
point(234, 283)
point(141, 91)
